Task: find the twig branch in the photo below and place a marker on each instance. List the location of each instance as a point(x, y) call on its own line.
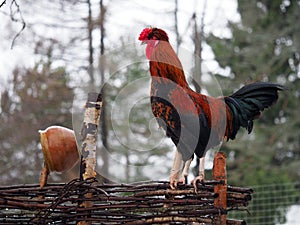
point(139, 203)
point(4, 2)
point(14, 19)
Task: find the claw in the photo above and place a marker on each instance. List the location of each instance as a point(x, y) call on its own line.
point(173, 184)
point(197, 179)
point(174, 179)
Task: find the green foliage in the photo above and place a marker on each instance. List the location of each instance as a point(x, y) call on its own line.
point(265, 47)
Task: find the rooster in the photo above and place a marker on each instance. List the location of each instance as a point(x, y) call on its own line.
point(196, 122)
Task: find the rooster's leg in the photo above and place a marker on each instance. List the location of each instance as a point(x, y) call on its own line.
point(176, 169)
point(185, 172)
point(201, 176)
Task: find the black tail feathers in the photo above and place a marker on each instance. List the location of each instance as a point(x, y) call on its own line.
point(247, 103)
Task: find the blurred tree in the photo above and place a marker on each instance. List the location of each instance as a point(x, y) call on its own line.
point(264, 47)
point(69, 23)
point(35, 99)
point(102, 69)
point(75, 48)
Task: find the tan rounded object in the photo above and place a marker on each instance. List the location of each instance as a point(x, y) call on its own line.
point(59, 148)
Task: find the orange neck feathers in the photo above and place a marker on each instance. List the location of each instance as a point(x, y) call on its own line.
point(165, 63)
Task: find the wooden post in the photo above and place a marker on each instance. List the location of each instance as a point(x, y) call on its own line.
point(88, 148)
point(89, 132)
point(219, 173)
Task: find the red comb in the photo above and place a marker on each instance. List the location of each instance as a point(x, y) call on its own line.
point(144, 34)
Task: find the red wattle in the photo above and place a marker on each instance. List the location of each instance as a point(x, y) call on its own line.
point(151, 44)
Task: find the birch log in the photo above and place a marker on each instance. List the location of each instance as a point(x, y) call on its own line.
point(89, 133)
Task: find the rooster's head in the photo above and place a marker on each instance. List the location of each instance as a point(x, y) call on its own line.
point(151, 37)
point(150, 33)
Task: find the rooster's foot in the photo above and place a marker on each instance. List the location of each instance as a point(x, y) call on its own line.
point(197, 179)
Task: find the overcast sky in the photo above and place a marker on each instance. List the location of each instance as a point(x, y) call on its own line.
point(124, 18)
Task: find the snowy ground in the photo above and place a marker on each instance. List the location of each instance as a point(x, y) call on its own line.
point(293, 215)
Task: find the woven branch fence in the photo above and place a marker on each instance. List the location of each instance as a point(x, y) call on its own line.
point(138, 203)
point(84, 201)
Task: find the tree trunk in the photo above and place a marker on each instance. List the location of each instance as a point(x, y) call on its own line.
point(178, 39)
point(102, 62)
point(91, 49)
point(197, 39)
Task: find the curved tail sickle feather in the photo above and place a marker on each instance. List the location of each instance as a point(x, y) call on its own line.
point(247, 103)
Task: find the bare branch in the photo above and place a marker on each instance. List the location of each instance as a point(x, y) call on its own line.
point(15, 19)
point(4, 2)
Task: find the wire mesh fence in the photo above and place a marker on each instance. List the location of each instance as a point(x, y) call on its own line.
point(271, 204)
